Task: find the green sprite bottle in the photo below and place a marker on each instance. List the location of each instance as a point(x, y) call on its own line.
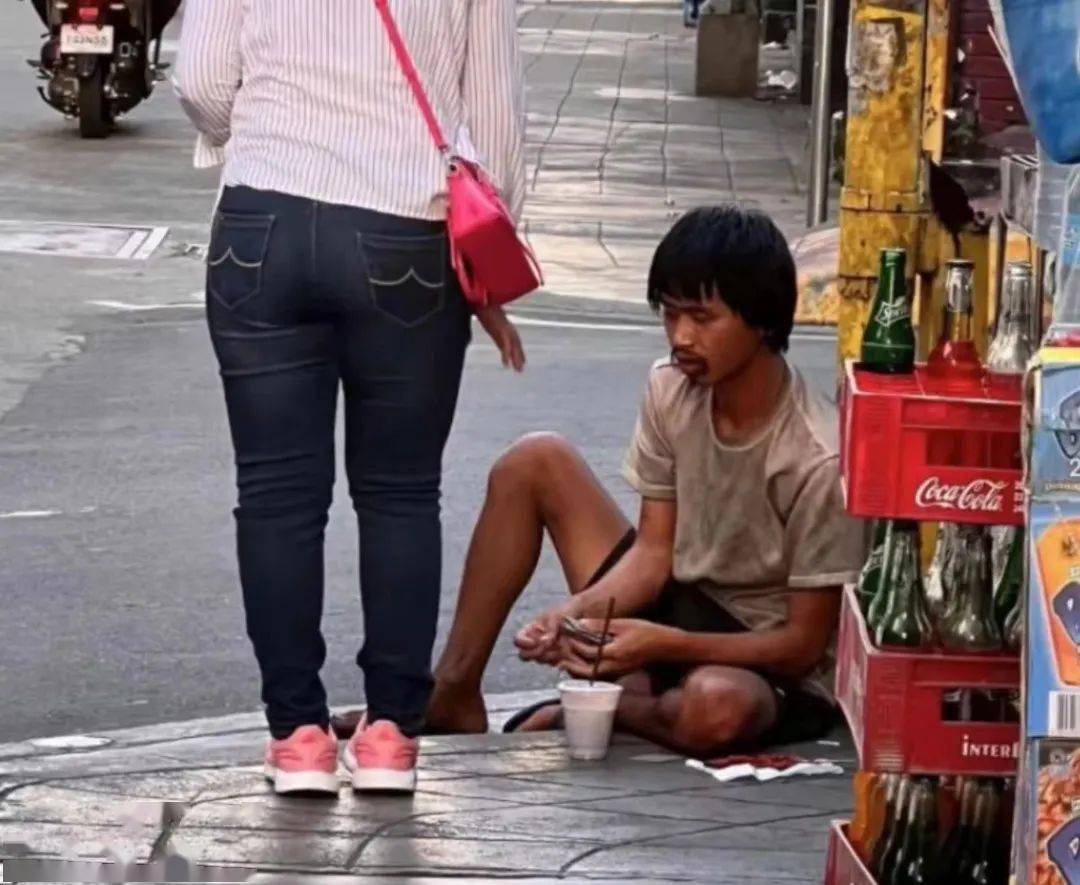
point(888, 344)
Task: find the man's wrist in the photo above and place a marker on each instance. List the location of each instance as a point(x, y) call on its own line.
point(670, 644)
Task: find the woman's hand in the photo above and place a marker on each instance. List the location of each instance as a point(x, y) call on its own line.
point(504, 334)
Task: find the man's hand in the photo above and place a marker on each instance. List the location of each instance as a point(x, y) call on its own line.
point(635, 644)
point(540, 640)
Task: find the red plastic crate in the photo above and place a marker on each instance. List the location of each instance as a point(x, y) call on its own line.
point(911, 450)
point(893, 703)
point(844, 866)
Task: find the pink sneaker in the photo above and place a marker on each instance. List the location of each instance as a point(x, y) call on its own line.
point(380, 758)
point(305, 761)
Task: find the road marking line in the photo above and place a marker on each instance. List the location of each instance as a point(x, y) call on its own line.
point(149, 245)
point(624, 327)
point(128, 307)
point(29, 514)
point(569, 324)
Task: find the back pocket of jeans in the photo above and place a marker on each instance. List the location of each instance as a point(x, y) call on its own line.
point(238, 246)
point(406, 275)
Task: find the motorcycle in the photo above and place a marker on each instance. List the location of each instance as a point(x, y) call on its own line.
point(100, 57)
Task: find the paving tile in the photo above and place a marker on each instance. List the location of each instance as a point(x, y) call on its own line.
point(114, 760)
point(33, 838)
point(487, 855)
point(182, 785)
point(256, 848)
point(705, 807)
point(504, 763)
point(525, 792)
point(809, 836)
point(634, 777)
point(543, 823)
point(832, 793)
point(714, 865)
point(56, 804)
point(348, 814)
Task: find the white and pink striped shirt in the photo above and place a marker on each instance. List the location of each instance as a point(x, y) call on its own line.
point(305, 97)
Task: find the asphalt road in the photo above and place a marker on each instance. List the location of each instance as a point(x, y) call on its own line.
point(117, 580)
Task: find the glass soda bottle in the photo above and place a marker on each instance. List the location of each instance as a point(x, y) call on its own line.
point(904, 621)
point(956, 843)
point(969, 625)
point(917, 861)
point(1006, 359)
point(953, 367)
point(881, 812)
point(888, 344)
point(1011, 583)
point(977, 865)
point(1011, 347)
point(955, 357)
point(863, 788)
point(892, 838)
point(939, 577)
point(870, 576)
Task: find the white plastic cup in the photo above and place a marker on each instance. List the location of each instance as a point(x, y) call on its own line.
point(589, 716)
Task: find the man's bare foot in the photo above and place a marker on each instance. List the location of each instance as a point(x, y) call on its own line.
point(452, 710)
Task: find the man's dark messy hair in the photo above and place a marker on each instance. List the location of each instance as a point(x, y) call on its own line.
point(737, 254)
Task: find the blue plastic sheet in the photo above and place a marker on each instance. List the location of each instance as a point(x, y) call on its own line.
point(1044, 42)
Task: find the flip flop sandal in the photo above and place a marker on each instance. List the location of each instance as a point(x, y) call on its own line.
point(522, 716)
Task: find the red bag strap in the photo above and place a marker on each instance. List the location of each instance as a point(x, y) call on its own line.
point(409, 70)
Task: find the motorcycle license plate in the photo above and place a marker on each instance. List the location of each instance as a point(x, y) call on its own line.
point(86, 40)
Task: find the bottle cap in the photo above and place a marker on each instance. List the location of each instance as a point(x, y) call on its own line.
point(959, 285)
point(893, 255)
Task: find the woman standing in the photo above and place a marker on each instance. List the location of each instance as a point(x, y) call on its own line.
point(328, 267)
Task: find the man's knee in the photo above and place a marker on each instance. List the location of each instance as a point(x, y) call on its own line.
point(528, 461)
point(716, 709)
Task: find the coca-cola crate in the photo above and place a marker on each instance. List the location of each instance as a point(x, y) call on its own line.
point(912, 448)
point(894, 703)
point(844, 866)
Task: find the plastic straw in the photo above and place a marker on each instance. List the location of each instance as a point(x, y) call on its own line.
point(603, 640)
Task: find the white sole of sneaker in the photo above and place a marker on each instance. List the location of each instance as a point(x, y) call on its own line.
point(378, 780)
point(302, 781)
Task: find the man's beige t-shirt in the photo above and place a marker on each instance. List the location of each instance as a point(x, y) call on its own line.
point(757, 520)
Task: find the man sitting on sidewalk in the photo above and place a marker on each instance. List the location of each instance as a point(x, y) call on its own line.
point(727, 593)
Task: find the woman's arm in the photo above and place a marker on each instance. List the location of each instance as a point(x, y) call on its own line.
point(208, 74)
point(493, 90)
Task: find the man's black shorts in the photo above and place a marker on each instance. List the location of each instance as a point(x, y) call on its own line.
point(801, 714)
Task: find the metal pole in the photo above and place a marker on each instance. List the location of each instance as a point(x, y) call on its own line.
point(800, 35)
point(818, 209)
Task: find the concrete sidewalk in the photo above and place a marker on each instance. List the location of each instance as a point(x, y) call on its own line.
point(619, 145)
point(487, 807)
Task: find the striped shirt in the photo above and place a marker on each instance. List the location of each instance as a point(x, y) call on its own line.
point(305, 97)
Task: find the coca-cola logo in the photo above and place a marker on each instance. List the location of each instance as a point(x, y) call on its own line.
point(984, 495)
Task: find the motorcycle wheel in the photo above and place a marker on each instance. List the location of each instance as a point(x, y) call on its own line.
point(95, 121)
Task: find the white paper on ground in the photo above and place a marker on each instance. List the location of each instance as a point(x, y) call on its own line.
point(764, 774)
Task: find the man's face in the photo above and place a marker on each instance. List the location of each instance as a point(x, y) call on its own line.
point(709, 341)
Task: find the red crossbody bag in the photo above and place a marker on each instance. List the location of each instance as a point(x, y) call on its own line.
point(491, 262)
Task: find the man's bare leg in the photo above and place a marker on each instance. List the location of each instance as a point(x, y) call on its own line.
point(713, 708)
point(540, 483)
